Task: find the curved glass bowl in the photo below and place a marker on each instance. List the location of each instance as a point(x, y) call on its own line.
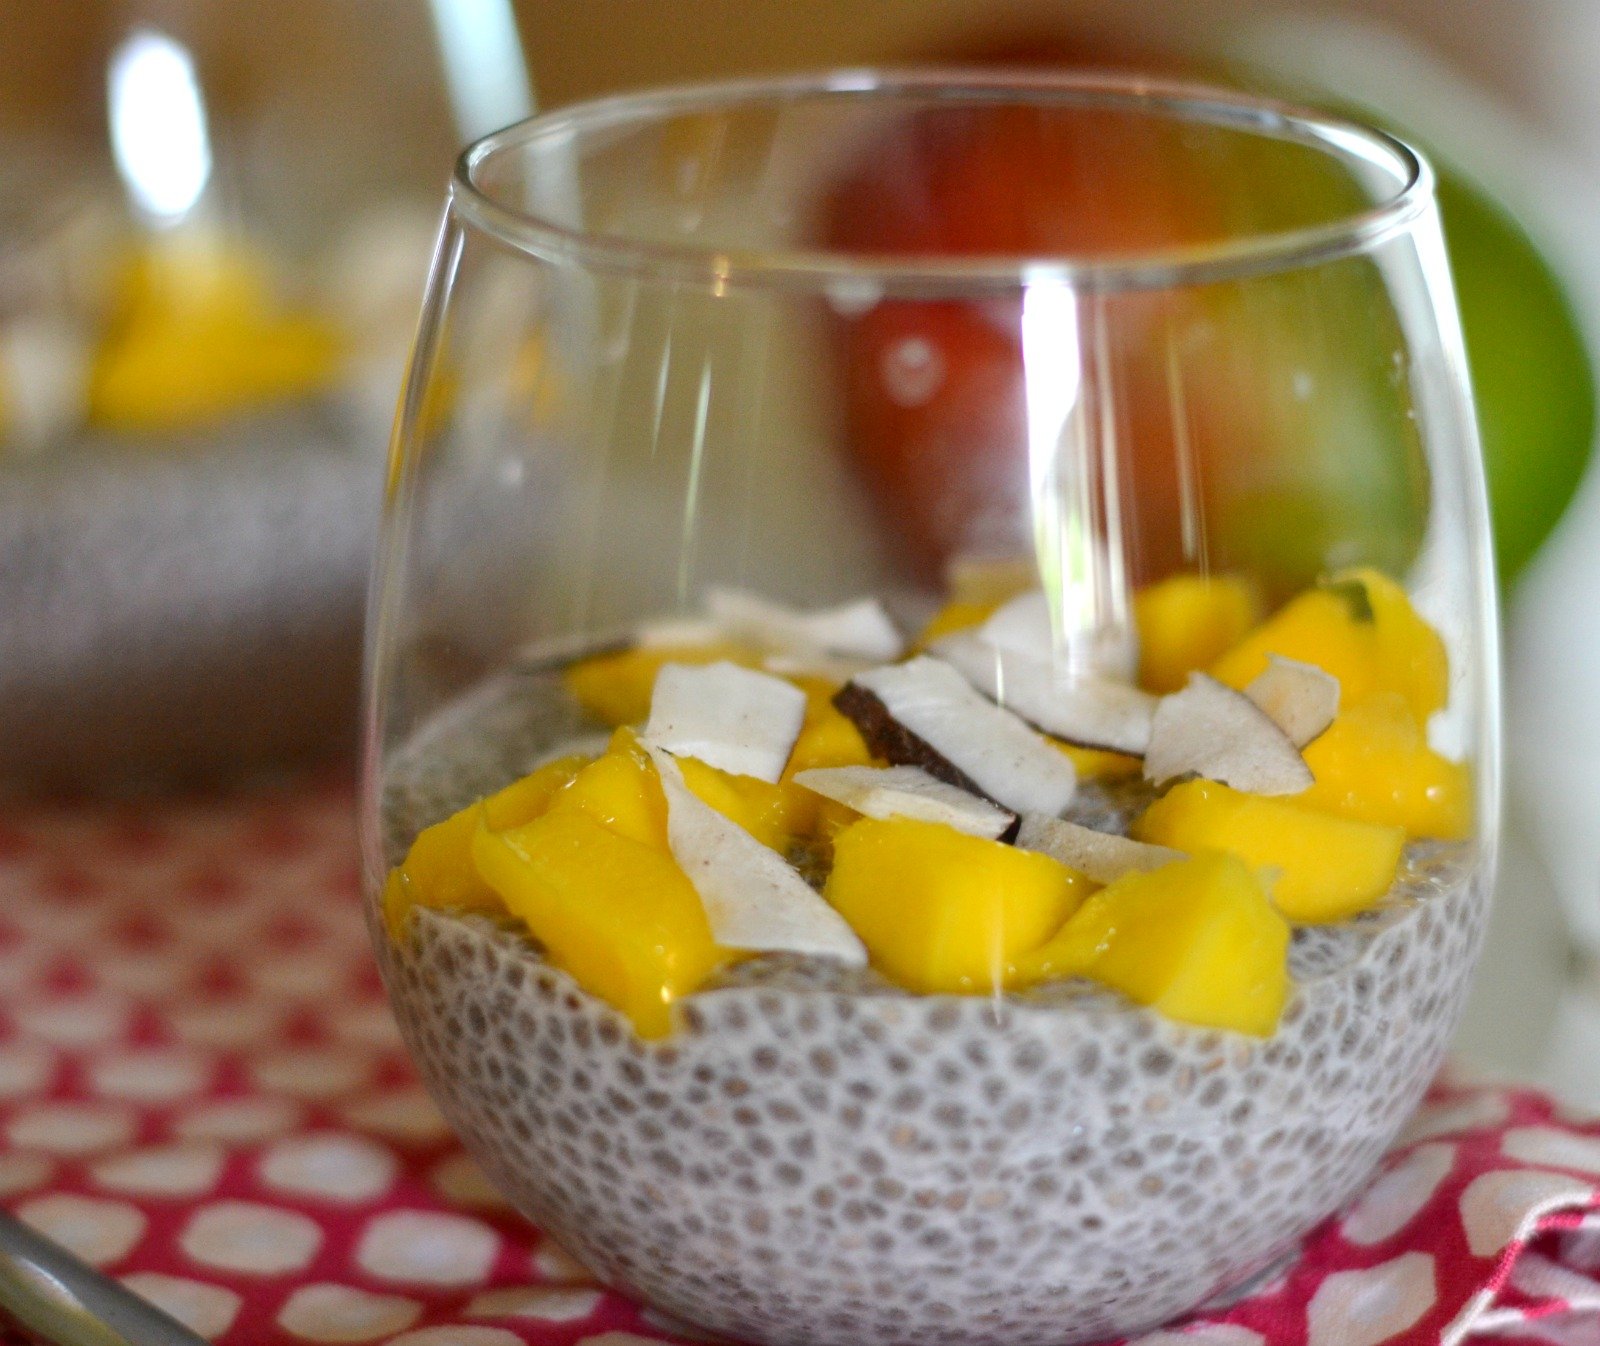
point(1079, 477)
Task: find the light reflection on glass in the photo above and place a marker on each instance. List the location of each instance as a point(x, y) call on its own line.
point(158, 125)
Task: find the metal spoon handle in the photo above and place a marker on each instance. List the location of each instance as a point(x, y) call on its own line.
point(53, 1296)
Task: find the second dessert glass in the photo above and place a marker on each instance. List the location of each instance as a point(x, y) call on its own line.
point(931, 750)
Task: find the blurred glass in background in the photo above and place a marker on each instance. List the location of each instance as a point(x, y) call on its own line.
point(216, 222)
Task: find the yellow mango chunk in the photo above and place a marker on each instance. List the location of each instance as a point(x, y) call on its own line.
point(1361, 628)
point(826, 739)
point(616, 688)
point(942, 911)
point(957, 615)
point(1197, 940)
point(1096, 763)
point(1188, 622)
point(1411, 657)
point(197, 335)
point(619, 916)
point(619, 790)
point(1322, 868)
point(1373, 764)
point(438, 872)
point(766, 811)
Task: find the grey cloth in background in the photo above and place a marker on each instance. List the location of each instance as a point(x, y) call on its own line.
point(184, 612)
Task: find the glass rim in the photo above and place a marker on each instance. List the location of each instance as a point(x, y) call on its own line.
point(818, 268)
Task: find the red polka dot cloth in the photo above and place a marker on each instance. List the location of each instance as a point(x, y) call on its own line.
point(203, 1093)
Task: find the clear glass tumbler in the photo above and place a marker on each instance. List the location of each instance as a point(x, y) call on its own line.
point(931, 751)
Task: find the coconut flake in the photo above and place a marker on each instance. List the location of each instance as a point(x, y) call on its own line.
point(732, 718)
point(1213, 731)
point(861, 629)
point(1025, 626)
point(1103, 857)
point(907, 792)
point(830, 667)
point(1089, 712)
point(1301, 699)
point(659, 631)
point(923, 713)
point(977, 577)
point(754, 899)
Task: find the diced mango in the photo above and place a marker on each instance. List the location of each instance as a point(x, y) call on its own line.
point(958, 615)
point(1323, 868)
point(827, 738)
point(1188, 622)
point(616, 688)
point(617, 915)
point(1411, 656)
point(620, 791)
point(1197, 940)
point(438, 872)
point(1373, 763)
point(524, 800)
point(766, 811)
point(1096, 763)
point(1359, 626)
point(942, 911)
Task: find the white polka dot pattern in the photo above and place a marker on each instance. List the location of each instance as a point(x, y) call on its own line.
point(427, 1247)
point(100, 1232)
point(327, 1312)
point(552, 1303)
point(203, 1091)
point(244, 1236)
point(329, 1167)
point(201, 1307)
point(458, 1336)
point(1374, 1305)
point(71, 1128)
point(169, 1170)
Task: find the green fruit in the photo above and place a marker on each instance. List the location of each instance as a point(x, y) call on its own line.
point(1531, 372)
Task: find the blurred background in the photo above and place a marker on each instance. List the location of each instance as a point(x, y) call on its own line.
point(215, 223)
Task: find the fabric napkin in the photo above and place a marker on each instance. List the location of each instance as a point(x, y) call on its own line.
point(242, 1140)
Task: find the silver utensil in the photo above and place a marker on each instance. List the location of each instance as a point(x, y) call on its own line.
point(55, 1298)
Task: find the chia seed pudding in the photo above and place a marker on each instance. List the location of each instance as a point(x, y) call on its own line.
point(818, 1156)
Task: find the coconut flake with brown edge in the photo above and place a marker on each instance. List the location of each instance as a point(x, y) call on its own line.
point(1103, 857)
point(732, 718)
point(1213, 731)
point(1086, 712)
point(753, 897)
point(1301, 699)
point(923, 713)
point(907, 792)
point(859, 629)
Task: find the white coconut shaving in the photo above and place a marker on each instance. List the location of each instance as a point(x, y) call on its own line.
point(1026, 625)
point(669, 631)
point(985, 744)
point(1213, 731)
point(732, 718)
point(754, 899)
point(859, 629)
point(1103, 857)
point(1088, 712)
point(1301, 699)
point(976, 577)
point(907, 792)
point(832, 667)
